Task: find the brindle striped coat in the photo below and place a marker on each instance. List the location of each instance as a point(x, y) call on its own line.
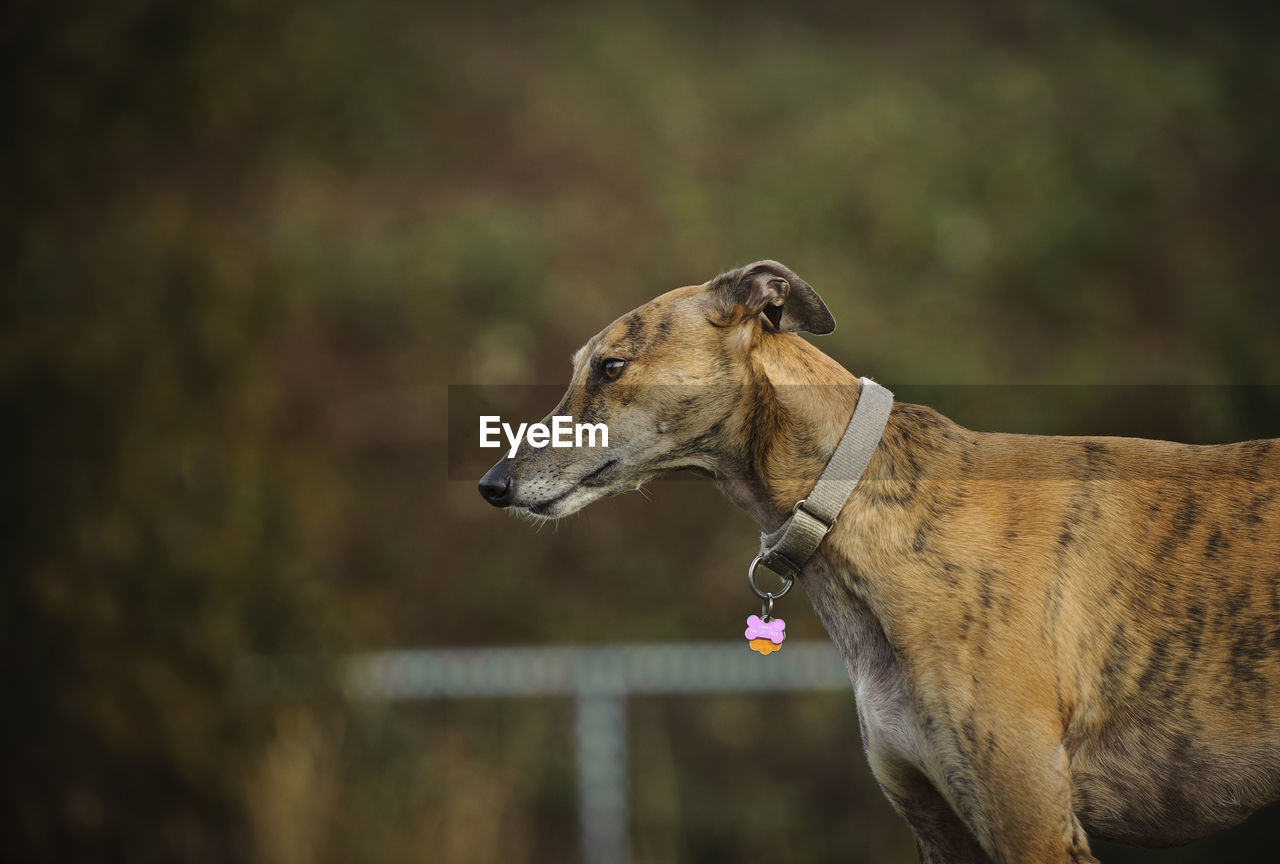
point(1048, 637)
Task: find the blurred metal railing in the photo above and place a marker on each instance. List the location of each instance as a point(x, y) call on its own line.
point(599, 678)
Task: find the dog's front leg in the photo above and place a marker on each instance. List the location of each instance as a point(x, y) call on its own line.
point(941, 836)
point(1025, 797)
point(1020, 807)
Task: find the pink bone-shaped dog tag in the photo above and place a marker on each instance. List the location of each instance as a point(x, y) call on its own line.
point(773, 629)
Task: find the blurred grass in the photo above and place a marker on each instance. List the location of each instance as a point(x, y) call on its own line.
point(246, 246)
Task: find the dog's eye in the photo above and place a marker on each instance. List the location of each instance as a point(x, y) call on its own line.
point(611, 367)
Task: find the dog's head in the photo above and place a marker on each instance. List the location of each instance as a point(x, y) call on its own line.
point(671, 381)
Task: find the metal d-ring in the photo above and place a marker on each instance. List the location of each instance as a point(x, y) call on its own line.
point(767, 596)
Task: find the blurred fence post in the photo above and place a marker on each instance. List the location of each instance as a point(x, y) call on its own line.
point(601, 738)
point(599, 677)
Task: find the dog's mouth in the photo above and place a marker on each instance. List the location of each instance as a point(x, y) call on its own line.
point(596, 478)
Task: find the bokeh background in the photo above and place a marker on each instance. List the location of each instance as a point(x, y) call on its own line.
point(247, 247)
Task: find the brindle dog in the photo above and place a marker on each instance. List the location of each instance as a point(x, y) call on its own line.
point(1047, 636)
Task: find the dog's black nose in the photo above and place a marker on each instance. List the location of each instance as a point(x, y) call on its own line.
point(496, 486)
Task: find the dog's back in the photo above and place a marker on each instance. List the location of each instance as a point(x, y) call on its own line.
point(1178, 635)
point(1156, 605)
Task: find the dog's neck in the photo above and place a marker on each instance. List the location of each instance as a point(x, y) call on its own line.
point(792, 424)
point(789, 426)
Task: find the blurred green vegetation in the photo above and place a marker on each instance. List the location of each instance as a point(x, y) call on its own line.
point(246, 246)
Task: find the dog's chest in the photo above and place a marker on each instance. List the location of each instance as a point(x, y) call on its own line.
point(885, 710)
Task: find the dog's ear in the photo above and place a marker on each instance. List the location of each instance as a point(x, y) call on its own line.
point(787, 301)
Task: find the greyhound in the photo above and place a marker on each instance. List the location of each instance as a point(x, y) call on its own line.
point(1048, 637)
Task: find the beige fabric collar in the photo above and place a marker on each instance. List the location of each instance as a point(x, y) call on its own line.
point(788, 549)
